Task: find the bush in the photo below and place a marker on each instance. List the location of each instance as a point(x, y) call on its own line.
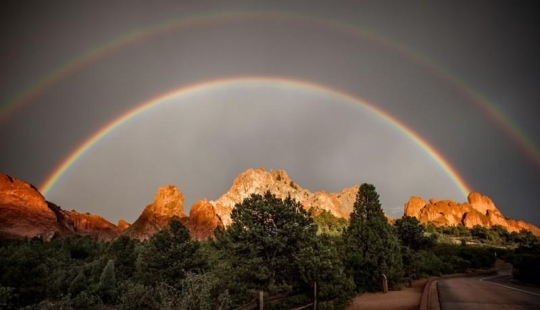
point(526, 268)
point(135, 296)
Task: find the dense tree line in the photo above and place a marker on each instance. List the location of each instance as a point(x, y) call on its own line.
point(272, 245)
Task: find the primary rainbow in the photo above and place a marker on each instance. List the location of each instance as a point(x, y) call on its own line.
point(252, 80)
point(508, 126)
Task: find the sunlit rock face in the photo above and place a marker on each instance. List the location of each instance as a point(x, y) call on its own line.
point(210, 214)
point(122, 225)
point(75, 223)
point(203, 220)
point(478, 210)
point(168, 204)
point(24, 212)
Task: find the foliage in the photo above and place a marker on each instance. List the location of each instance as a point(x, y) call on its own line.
point(262, 243)
point(272, 244)
point(411, 232)
point(168, 256)
point(373, 249)
point(328, 223)
point(135, 296)
point(320, 262)
point(107, 283)
point(77, 285)
point(527, 259)
point(201, 291)
point(124, 253)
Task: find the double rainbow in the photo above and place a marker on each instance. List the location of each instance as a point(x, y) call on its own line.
point(128, 39)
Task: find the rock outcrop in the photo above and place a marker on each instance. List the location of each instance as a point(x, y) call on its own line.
point(24, 212)
point(478, 210)
point(205, 215)
point(203, 220)
point(168, 204)
point(122, 225)
point(75, 223)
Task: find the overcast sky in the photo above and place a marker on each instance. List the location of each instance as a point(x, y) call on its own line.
point(419, 61)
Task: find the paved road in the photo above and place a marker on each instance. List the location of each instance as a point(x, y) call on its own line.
point(492, 293)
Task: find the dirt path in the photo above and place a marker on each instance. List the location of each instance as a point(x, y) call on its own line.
point(406, 299)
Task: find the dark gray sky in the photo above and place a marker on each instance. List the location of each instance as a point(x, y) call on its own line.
point(200, 142)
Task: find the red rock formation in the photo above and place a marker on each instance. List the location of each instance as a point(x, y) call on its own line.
point(202, 220)
point(168, 204)
point(122, 225)
point(24, 212)
point(205, 215)
point(75, 223)
point(479, 210)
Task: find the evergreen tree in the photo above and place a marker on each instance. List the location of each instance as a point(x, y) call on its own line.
point(122, 250)
point(107, 284)
point(321, 263)
point(169, 255)
point(410, 232)
point(373, 249)
point(77, 285)
point(262, 243)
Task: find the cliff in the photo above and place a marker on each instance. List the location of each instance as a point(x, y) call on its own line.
point(24, 212)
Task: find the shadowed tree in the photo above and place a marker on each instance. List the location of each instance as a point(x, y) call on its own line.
point(410, 232)
point(168, 256)
point(373, 249)
point(77, 285)
point(107, 284)
point(262, 243)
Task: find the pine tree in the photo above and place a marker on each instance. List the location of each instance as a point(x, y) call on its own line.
point(169, 255)
point(77, 285)
point(373, 249)
point(262, 244)
point(107, 283)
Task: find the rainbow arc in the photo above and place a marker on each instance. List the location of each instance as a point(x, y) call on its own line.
point(248, 81)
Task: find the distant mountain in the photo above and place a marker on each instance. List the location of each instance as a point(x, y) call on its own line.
point(478, 210)
point(24, 212)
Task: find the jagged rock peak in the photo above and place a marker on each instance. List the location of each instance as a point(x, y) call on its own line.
point(168, 201)
point(278, 182)
point(122, 225)
point(168, 204)
point(480, 202)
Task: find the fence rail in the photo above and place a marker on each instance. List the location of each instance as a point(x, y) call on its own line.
point(259, 302)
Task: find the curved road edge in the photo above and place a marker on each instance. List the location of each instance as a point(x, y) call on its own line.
point(430, 298)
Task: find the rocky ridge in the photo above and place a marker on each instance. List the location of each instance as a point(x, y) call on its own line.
point(478, 210)
point(206, 215)
point(24, 212)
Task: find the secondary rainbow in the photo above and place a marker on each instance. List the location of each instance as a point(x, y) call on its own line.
point(507, 125)
point(252, 80)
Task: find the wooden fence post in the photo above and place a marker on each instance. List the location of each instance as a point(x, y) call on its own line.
point(384, 284)
point(261, 300)
point(314, 295)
